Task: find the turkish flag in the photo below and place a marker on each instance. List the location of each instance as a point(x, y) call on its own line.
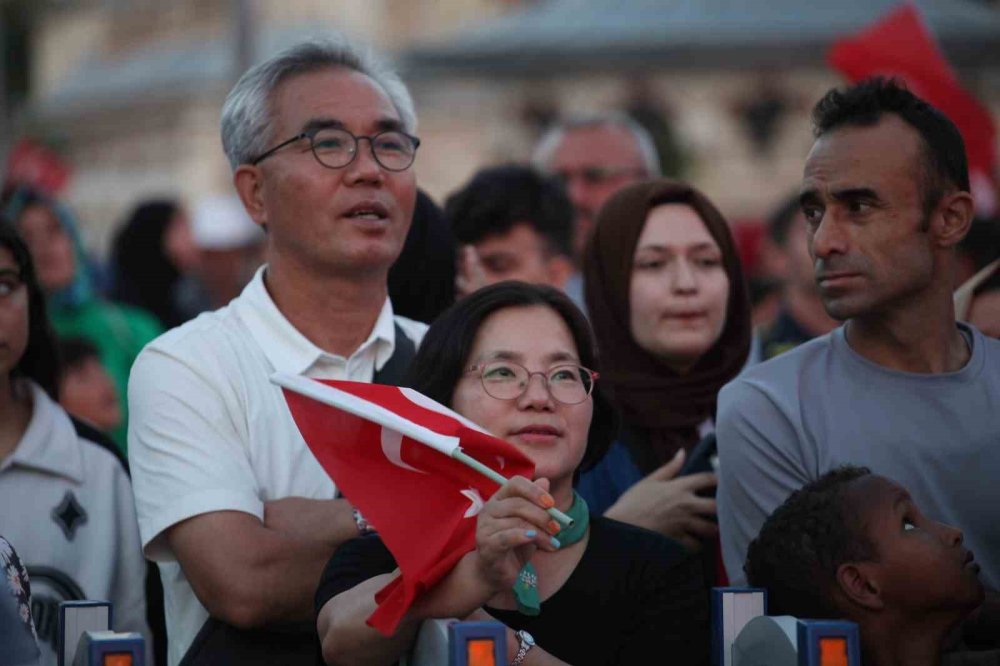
point(900, 45)
point(34, 165)
point(389, 449)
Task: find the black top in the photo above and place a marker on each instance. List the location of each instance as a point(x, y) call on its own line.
point(635, 597)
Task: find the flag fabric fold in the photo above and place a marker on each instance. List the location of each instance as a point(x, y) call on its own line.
point(388, 449)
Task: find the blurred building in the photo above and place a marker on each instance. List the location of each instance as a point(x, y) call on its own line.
point(130, 90)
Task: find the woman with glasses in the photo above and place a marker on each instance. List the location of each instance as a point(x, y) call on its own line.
point(518, 360)
point(669, 306)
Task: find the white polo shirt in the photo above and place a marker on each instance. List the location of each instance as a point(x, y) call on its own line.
point(209, 432)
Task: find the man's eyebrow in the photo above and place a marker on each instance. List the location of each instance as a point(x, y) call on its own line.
point(900, 496)
point(381, 125)
point(855, 193)
point(808, 196)
point(316, 124)
point(4, 272)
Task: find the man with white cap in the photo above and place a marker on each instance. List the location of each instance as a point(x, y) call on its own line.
point(230, 244)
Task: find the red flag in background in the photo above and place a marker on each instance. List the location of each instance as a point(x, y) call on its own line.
point(35, 165)
point(387, 449)
point(900, 45)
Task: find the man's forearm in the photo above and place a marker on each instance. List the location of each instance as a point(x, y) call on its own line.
point(251, 574)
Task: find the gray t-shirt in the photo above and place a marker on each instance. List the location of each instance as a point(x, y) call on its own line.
point(786, 422)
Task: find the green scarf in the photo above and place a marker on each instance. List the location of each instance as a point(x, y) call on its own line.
point(526, 587)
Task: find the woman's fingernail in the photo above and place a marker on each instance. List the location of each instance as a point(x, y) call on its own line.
point(531, 534)
point(556, 542)
point(554, 527)
point(547, 501)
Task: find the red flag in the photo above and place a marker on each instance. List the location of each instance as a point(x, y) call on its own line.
point(33, 164)
point(900, 45)
point(387, 449)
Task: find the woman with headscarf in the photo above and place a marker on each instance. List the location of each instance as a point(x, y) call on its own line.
point(152, 257)
point(668, 302)
point(74, 307)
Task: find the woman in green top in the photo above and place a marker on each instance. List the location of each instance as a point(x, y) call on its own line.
point(75, 307)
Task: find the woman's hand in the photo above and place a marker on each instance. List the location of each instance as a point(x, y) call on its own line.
point(512, 524)
point(670, 506)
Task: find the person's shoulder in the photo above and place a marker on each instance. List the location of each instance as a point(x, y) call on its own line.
point(635, 544)
point(89, 436)
point(413, 329)
point(208, 333)
point(781, 373)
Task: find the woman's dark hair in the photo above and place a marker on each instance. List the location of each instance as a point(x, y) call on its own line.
point(144, 276)
point(444, 352)
point(39, 361)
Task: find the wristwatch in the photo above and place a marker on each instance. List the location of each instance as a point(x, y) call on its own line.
point(364, 527)
point(525, 642)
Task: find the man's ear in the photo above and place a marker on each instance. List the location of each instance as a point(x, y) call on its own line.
point(952, 218)
point(858, 584)
point(560, 268)
point(248, 183)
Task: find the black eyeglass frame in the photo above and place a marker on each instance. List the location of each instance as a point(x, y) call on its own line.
point(311, 135)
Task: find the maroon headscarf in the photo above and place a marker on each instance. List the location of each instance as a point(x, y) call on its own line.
point(651, 396)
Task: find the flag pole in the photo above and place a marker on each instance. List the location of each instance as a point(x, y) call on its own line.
point(461, 456)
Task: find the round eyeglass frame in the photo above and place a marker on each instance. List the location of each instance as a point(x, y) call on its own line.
point(311, 135)
point(480, 367)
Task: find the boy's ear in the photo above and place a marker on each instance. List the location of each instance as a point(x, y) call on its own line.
point(858, 584)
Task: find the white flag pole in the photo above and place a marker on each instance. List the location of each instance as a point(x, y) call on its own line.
point(351, 404)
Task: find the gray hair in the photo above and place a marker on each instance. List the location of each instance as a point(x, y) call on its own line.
point(554, 135)
point(246, 114)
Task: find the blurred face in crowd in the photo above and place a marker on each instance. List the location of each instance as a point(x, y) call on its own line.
point(352, 220)
point(921, 567)
point(679, 289)
point(798, 272)
point(984, 313)
point(594, 163)
point(50, 246)
point(87, 392)
point(862, 196)
point(13, 314)
point(522, 254)
point(551, 433)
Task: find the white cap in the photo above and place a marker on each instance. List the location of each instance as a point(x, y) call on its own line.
point(219, 222)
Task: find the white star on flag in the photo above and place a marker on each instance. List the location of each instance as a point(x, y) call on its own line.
point(477, 502)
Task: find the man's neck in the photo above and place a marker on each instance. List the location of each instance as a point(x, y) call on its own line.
point(15, 414)
point(921, 337)
point(910, 644)
point(335, 312)
point(808, 312)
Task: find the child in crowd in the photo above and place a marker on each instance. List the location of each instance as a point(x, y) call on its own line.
point(86, 390)
point(853, 545)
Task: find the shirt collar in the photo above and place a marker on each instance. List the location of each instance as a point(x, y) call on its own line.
point(285, 347)
point(43, 445)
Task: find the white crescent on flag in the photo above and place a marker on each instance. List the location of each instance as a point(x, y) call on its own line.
point(392, 447)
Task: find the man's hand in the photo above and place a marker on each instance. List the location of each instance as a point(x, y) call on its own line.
point(670, 506)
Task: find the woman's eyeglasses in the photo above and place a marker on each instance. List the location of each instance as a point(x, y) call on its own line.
point(569, 384)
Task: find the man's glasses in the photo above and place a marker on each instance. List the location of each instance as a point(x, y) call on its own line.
point(569, 384)
point(335, 148)
point(595, 175)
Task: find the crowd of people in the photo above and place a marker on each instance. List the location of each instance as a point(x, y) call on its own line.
point(839, 455)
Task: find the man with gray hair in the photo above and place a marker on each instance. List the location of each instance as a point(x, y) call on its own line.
point(595, 156)
point(230, 500)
